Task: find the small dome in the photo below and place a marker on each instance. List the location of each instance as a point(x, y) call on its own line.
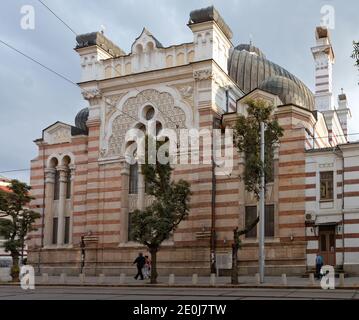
point(251, 49)
point(287, 90)
point(81, 118)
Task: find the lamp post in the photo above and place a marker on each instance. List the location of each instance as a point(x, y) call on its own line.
point(262, 207)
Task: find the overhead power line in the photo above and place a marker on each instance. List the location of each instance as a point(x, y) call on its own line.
point(131, 83)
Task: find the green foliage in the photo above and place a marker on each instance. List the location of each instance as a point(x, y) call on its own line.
point(355, 54)
point(247, 140)
point(16, 221)
point(170, 205)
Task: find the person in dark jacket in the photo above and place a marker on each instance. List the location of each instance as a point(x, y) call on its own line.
point(140, 262)
point(318, 265)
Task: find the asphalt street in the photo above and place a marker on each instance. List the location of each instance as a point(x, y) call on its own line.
point(124, 293)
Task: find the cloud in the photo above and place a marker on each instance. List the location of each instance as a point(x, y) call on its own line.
point(32, 98)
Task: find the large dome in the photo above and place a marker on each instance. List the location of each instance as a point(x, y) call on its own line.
point(249, 68)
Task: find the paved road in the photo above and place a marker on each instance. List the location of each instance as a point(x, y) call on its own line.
point(123, 293)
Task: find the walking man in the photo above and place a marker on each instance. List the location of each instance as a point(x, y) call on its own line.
point(140, 262)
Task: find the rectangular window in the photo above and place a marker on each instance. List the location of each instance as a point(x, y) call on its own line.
point(326, 186)
point(133, 183)
point(250, 216)
point(54, 231)
point(57, 185)
point(68, 185)
point(67, 230)
point(269, 221)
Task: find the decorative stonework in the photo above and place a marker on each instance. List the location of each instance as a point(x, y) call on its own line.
point(92, 94)
point(204, 74)
point(132, 202)
point(170, 114)
point(186, 92)
point(111, 103)
point(58, 133)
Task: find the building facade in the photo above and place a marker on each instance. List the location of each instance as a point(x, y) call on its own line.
point(86, 190)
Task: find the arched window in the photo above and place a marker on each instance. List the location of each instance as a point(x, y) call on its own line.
point(57, 185)
point(133, 183)
point(68, 184)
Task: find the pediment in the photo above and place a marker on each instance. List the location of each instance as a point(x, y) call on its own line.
point(262, 94)
point(57, 133)
point(145, 40)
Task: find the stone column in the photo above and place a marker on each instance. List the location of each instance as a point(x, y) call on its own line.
point(62, 205)
point(125, 172)
point(72, 170)
point(49, 200)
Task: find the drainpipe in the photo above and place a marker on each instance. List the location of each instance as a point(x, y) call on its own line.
point(213, 209)
point(43, 213)
point(343, 205)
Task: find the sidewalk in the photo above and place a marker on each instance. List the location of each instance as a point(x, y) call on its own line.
point(204, 282)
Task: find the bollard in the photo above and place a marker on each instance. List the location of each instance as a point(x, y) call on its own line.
point(45, 278)
point(284, 279)
point(171, 280)
point(195, 279)
point(62, 278)
point(212, 279)
point(101, 279)
point(82, 278)
point(341, 280)
point(257, 278)
point(311, 279)
point(122, 278)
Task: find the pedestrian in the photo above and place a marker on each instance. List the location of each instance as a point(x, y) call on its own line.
point(147, 267)
point(318, 265)
point(140, 262)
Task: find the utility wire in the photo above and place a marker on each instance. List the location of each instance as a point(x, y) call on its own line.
point(59, 75)
point(131, 83)
point(58, 17)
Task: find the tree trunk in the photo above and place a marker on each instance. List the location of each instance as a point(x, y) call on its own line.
point(234, 274)
point(15, 267)
point(154, 274)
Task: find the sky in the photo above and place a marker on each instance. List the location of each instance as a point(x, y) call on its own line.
point(32, 98)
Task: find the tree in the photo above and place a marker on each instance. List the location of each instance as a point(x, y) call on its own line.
point(355, 54)
point(236, 245)
point(170, 206)
point(16, 221)
point(247, 140)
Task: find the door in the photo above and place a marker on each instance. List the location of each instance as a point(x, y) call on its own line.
point(327, 244)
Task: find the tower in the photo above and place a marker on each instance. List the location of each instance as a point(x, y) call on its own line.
point(324, 59)
point(343, 112)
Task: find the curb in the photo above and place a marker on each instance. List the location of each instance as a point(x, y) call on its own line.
point(159, 285)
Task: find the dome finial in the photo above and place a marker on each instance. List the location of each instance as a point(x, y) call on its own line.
point(250, 39)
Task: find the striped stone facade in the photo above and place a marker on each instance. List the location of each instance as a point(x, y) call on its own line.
point(193, 91)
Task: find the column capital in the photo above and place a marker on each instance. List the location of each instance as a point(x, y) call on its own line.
point(125, 168)
point(50, 175)
point(63, 173)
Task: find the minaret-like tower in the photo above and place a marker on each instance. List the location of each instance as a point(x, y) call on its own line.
point(343, 112)
point(324, 59)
